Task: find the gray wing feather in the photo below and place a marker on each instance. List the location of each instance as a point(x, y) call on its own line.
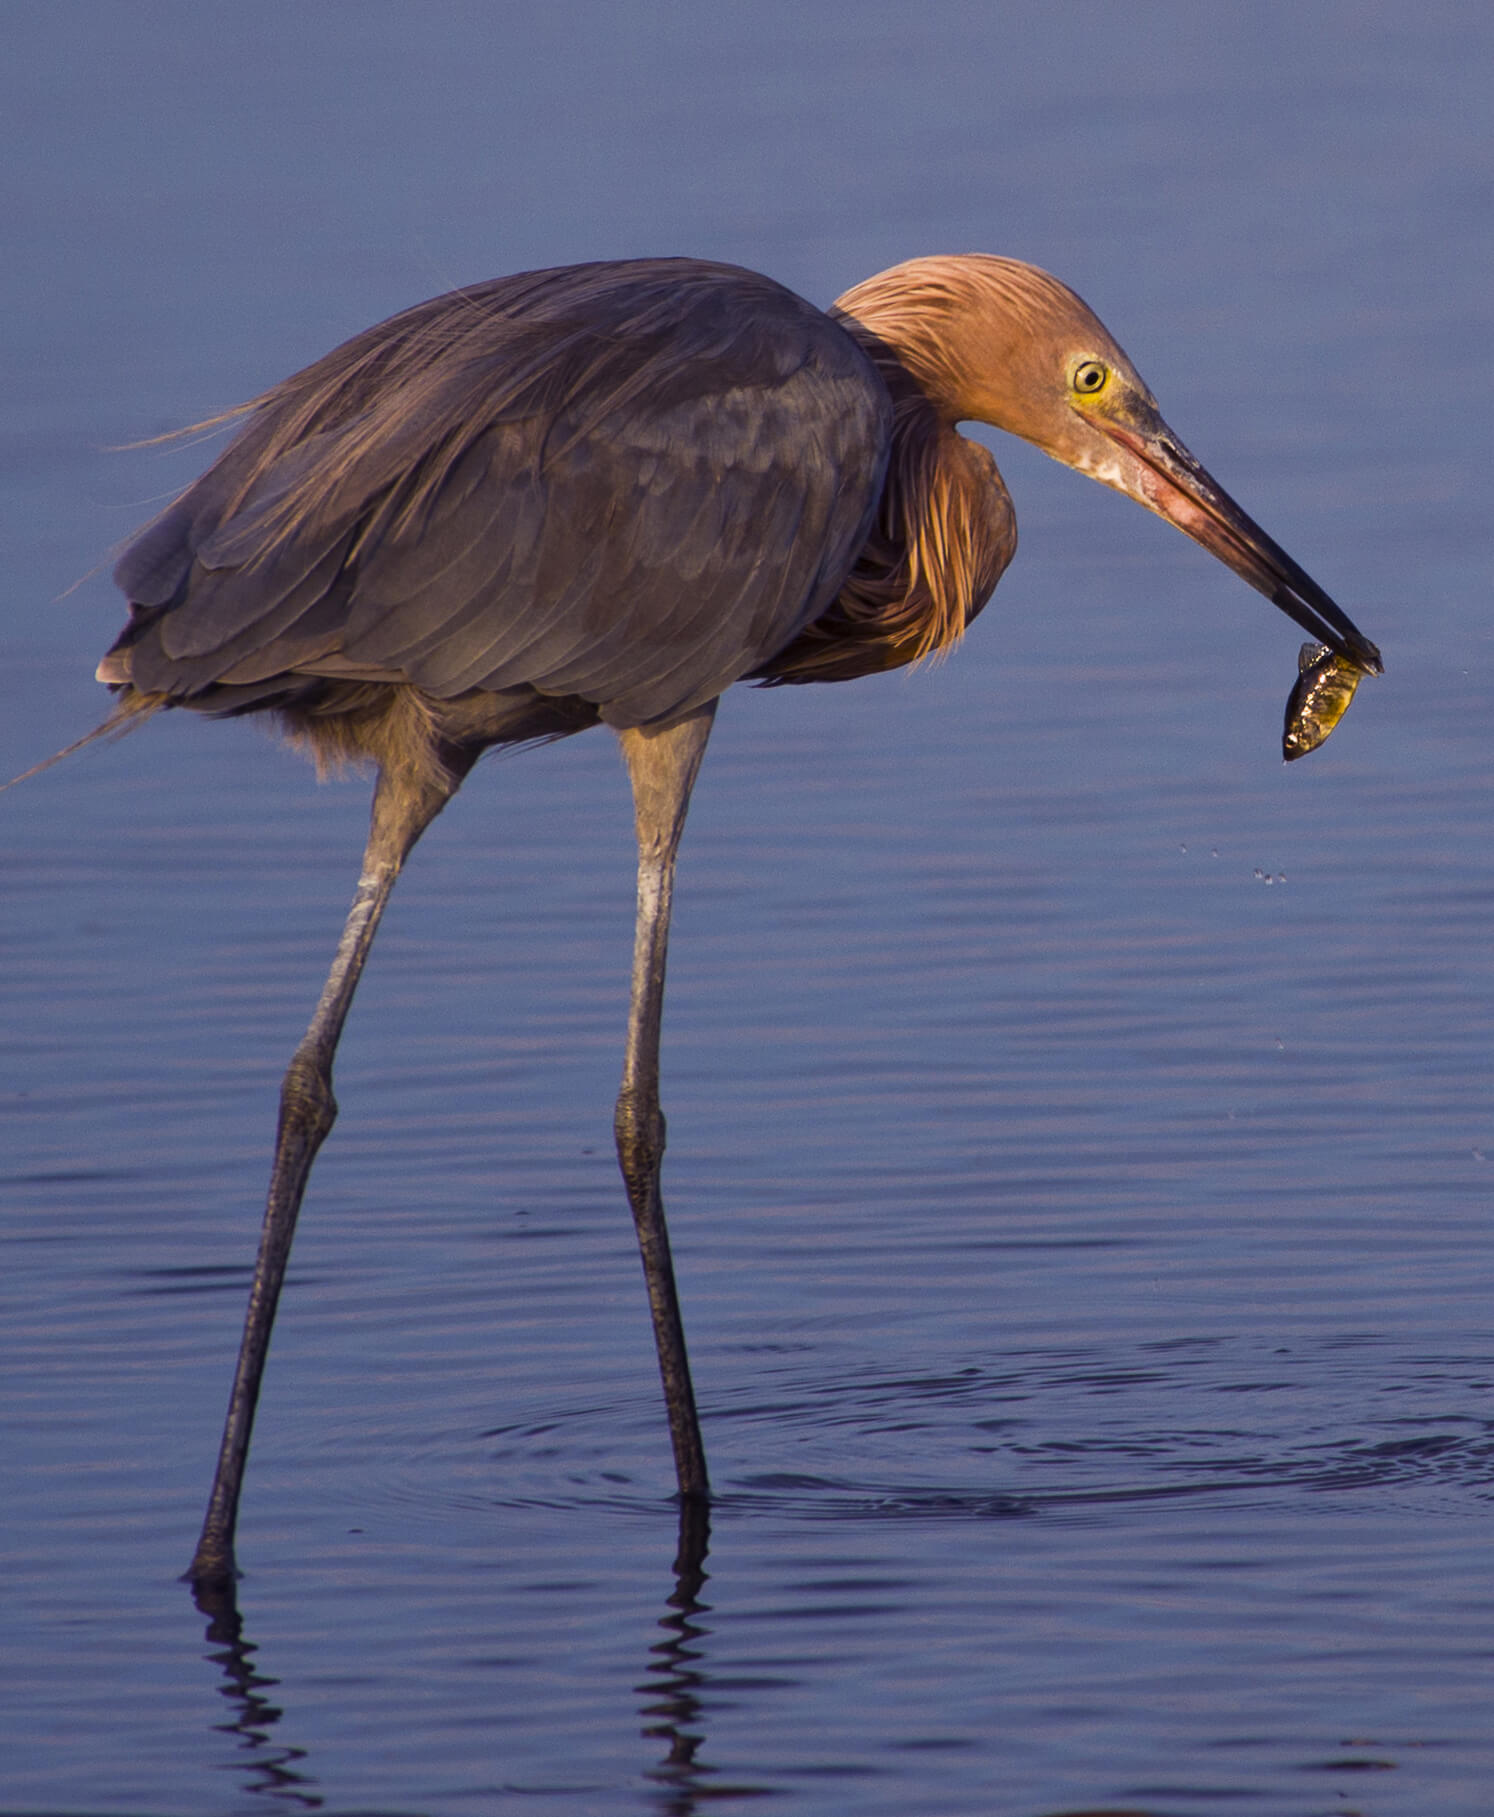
point(632, 484)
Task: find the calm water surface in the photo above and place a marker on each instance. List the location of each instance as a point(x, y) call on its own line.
point(1081, 1137)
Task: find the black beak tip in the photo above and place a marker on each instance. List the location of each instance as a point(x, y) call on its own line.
point(1303, 600)
point(1367, 655)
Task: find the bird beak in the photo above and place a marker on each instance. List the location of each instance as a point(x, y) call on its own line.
point(1161, 474)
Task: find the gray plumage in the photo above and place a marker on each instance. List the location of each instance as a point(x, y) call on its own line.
point(629, 485)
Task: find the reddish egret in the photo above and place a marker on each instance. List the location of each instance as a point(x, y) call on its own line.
point(601, 495)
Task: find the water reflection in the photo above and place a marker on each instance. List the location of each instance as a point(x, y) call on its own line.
point(674, 1682)
point(673, 1689)
point(1082, 1434)
point(268, 1768)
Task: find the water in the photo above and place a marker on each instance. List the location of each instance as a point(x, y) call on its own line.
point(1080, 1123)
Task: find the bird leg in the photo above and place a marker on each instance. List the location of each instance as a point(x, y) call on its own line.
point(401, 812)
point(662, 763)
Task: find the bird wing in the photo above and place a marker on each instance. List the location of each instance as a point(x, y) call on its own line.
point(627, 483)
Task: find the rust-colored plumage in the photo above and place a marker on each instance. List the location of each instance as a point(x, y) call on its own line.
point(602, 495)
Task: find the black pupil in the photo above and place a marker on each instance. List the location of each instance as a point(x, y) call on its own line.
point(1089, 378)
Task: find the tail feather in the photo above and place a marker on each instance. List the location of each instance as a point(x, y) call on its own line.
point(132, 709)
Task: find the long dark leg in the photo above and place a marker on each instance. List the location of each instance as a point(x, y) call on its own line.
point(663, 766)
point(401, 813)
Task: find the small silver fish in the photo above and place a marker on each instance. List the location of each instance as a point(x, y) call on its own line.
point(1325, 686)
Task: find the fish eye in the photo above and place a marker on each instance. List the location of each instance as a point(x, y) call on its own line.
point(1090, 377)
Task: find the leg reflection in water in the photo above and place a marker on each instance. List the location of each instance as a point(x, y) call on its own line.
point(268, 1768)
point(675, 1694)
point(675, 1688)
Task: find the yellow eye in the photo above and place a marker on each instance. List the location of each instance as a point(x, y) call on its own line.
point(1089, 377)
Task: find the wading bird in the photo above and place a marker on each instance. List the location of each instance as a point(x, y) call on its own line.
point(600, 495)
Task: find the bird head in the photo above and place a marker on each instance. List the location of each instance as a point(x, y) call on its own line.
point(997, 341)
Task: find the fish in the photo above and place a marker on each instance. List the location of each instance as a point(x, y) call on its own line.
point(1325, 686)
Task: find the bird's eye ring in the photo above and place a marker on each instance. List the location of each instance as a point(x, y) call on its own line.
point(1090, 377)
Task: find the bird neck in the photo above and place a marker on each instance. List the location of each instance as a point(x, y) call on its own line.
point(906, 346)
point(943, 533)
